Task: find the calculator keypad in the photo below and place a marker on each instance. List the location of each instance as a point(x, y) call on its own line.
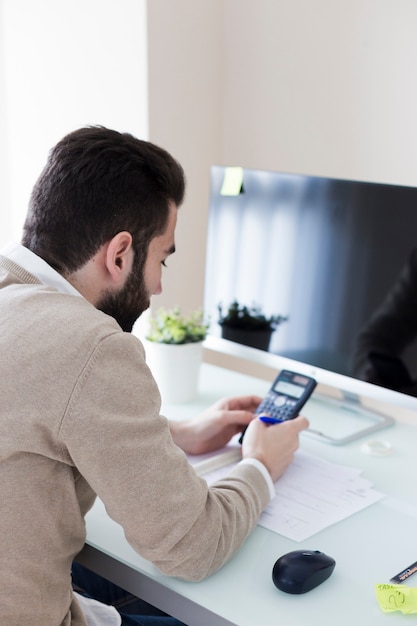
point(279, 406)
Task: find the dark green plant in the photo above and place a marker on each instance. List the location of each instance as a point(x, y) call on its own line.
point(169, 326)
point(249, 318)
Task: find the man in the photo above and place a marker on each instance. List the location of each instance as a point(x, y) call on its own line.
point(79, 412)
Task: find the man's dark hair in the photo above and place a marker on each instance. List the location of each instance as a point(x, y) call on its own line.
point(98, 182)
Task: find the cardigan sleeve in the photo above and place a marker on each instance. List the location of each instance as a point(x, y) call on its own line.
point(115, 436)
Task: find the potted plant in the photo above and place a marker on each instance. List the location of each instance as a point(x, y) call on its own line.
point(170, 326)
point(174, 351)
point(248, 324)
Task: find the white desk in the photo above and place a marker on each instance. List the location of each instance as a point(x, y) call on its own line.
point(369, 547)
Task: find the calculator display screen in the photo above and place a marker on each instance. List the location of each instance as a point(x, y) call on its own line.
point(282, 386)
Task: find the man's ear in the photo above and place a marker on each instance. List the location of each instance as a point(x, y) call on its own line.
point(119, 257)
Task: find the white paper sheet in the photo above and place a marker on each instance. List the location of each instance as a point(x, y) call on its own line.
point(312, 495)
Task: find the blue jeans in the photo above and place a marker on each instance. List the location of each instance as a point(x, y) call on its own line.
point(133, 611)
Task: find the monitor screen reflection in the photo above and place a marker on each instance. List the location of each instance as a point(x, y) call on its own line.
point(326, 253)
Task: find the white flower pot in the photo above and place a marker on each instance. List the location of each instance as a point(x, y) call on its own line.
point(176, 369)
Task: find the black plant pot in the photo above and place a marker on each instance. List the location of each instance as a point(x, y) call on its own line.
point(254, 338)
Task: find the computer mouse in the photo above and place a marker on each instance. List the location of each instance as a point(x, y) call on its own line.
point(302, 570)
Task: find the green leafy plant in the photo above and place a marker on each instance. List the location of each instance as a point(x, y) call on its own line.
point(249, 318)
point(170, 326)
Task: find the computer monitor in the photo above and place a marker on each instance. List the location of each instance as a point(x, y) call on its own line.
point(322, 251)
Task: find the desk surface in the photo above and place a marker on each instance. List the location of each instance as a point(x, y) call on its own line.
point(369, 547)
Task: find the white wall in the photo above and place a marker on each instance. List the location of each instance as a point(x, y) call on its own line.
point(185, 116)
point(66, 63)
point(5, 213)
point(322, 87)
point(317, 87)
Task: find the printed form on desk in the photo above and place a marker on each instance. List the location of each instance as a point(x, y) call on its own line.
point(312, 495)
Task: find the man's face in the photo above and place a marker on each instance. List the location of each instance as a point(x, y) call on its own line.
point(127, 304)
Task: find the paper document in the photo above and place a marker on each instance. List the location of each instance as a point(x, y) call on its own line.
point(312, 495)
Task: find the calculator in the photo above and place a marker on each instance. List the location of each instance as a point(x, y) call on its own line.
point(287, 395)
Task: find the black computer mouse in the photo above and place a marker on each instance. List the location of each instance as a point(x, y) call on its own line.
point(302, 570)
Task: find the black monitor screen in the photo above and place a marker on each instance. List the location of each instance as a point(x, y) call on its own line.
point(324, 252)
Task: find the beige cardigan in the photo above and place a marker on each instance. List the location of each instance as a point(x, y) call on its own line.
point(79, 416)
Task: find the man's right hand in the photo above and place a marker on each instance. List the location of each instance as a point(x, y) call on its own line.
point(273, 445)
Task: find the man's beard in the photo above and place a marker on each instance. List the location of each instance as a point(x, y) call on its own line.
point(129, 303)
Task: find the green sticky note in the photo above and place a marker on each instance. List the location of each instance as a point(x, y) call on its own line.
point(232, 182)
point(396, 598)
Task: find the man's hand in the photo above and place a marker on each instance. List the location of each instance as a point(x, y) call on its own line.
point(273, 445)
point(214, 428)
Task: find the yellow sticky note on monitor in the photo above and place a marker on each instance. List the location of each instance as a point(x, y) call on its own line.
point(396, 598)
point(232, 182)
